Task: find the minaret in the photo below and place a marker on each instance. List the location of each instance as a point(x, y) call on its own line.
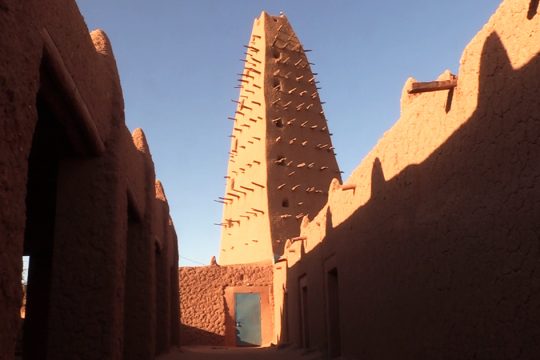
point(281, 160)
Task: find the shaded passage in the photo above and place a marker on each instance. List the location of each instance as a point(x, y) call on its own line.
point(260, 353)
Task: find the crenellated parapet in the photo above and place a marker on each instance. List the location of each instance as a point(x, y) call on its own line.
point(428, 119)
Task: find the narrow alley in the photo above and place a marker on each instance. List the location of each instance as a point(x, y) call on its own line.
point(240, 353)
point(421, 242)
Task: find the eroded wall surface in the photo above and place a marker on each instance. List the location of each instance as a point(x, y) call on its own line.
point(435, 243)
point(205, 309)
point(78, 196)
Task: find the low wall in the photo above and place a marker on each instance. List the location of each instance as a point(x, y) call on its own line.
point(204, 310)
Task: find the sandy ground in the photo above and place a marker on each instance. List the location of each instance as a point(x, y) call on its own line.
point(217, 352)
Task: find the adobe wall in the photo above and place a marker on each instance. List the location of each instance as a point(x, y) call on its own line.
point(77, 195)
point(300, 151)
point(206, 302)
point(245, 201)
point(436, 241)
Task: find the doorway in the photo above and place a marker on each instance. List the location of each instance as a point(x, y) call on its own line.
point(48, 146)
point(247, 309)
point(332, 309)
point(304, 318)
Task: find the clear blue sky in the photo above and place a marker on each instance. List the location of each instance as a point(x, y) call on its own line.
point(178, 62)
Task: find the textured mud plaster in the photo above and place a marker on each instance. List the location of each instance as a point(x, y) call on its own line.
point(281, 158)
point(205, 310)
point(77, 195)
point(436, 240)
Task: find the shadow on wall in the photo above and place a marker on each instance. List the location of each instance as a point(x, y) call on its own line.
point(192, 335)
point(442, 261)
point(533, 9)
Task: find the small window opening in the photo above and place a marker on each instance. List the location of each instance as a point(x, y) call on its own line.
point(304, 316)
point(332, 312)
point(276, 84)
point(276, 53)
point(285, 203)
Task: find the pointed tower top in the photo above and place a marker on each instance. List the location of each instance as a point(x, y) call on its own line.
point(281, 159)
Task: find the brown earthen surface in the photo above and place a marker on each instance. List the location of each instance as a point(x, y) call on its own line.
point(76, 195)
point(431, 250)
point(206, 310)
point(216, 352)
point(281, 159)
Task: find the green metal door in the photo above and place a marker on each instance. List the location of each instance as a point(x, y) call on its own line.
point(247, 308)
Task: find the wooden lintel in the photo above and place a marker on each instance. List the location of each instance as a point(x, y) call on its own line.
point(420, 87)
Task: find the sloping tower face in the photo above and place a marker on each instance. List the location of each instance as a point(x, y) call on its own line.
point(281, 160)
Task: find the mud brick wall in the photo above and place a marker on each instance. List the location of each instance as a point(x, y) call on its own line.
point(433, 244)
point(281, 159)
point(78, 195)
point(202, 298)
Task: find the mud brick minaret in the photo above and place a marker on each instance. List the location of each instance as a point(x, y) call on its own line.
point(281, 159)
